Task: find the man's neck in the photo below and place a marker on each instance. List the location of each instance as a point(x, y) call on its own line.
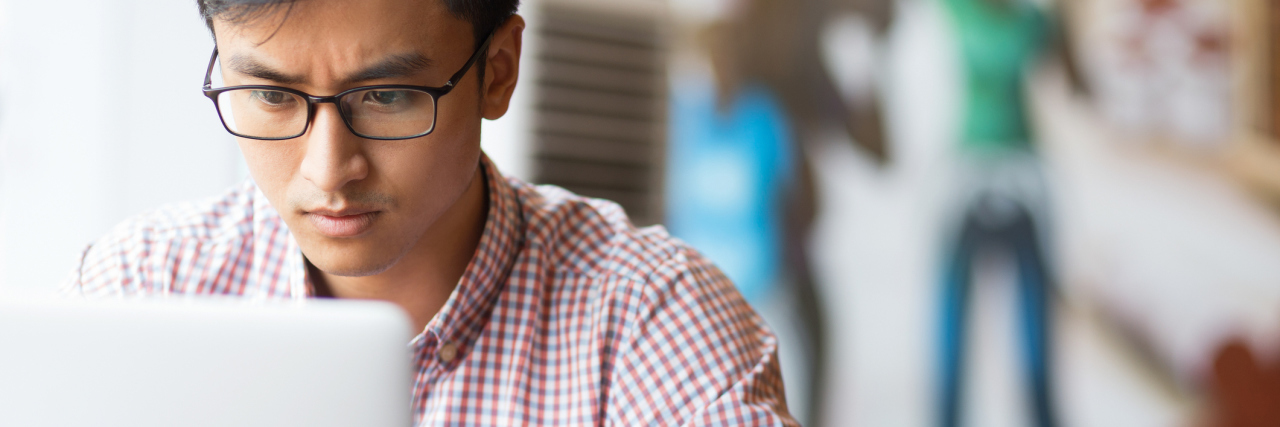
point(423, 279)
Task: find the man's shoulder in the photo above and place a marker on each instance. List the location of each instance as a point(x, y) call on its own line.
point(158, 242)
point(590, 247)
point(594, 237)
point(227, 216)
point(662, 304)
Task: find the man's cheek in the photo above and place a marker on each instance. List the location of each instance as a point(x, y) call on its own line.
point(272, 174)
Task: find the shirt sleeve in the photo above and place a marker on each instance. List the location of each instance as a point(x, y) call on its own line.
point(697, 355)
point(108, 267)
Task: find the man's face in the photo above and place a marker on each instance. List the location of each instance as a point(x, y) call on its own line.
point(356, 206)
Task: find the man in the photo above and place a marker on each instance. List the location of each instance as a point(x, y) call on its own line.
point(360, 123)
point(771, 52)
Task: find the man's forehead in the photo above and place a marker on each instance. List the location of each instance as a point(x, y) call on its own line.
point(392, 66)
point(339, 40)
point(364, 24)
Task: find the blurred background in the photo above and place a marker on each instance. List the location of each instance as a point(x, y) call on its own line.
point(952, 212)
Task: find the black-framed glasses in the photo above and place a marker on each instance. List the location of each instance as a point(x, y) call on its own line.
point(382, 112)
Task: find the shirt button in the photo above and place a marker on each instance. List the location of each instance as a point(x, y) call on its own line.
point(447, 352)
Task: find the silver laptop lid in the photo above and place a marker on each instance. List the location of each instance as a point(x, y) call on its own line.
point(203, 363)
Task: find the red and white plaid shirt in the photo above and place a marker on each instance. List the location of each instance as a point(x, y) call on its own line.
point(567, 314)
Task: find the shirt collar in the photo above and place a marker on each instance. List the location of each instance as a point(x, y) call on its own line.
point(459, 320)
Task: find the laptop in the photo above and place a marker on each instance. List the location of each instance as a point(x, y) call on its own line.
point(203, 363)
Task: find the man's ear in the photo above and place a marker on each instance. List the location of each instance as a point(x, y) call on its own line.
point(502, 67)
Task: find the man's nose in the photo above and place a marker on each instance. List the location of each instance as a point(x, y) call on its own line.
point(334, 156)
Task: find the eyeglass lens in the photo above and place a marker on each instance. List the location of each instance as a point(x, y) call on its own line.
point(373, 113)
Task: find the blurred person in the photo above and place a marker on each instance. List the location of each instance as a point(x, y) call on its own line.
point(779, 44)
point(731, 170)
point(770, 96)
point(739, 186)
point(999, 191)
point(731, 176)
point(534, 305)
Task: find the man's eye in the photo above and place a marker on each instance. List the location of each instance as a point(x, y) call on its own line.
point(385, 97)
point(271, 97)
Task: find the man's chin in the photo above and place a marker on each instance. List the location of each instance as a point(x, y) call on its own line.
point(354, 271)
point(368, 255)
point(339, 263)
point(351, 269)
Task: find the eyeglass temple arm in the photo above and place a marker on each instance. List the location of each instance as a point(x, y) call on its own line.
point(208, 74)
point(453, 81)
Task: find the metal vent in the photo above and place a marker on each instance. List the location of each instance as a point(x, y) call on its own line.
point(599, 120)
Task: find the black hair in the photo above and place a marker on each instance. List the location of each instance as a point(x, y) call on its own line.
point(484, 15)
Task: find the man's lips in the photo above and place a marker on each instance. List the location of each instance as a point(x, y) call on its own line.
point(343, 223)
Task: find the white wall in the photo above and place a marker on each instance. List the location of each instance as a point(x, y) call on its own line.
point(101, 117)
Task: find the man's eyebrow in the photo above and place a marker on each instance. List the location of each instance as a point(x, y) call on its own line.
point(395, 66)
point(249, 66)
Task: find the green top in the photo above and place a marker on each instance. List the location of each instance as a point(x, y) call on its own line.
point(997, 43)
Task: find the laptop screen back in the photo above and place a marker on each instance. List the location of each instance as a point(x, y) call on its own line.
point(202, 363)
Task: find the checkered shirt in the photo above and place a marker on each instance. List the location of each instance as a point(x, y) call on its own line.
point(566, 315)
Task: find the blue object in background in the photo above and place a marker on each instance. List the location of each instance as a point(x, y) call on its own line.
point(727, 174)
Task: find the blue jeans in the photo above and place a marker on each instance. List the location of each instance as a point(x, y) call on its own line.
point(1000, 222)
